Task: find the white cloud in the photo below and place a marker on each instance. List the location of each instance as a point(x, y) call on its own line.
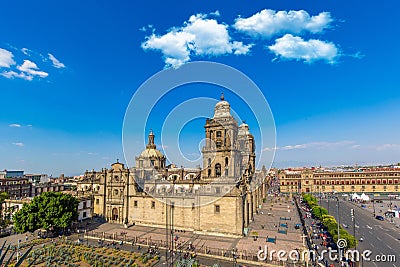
point(198, 36)
point(15, 125)
point(30, 68)
point(6, 58)
point(18, 144)
point(12, 74)
point(26, 51)
point(295, 48)
point(267, 23)
point(56, 63)
point(388, 147)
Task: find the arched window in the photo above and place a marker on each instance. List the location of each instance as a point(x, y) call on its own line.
point(218, 133)
point(226, 161)
point(116, 192)
point(209, 162)
point(209, 172)
point(217, 170)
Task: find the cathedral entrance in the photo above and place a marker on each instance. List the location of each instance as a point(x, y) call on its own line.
point(115, 214)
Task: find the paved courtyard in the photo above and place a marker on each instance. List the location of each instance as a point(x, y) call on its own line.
point(273, 226)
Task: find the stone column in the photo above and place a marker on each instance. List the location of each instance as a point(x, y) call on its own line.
point(251, 206)
point(246, 212)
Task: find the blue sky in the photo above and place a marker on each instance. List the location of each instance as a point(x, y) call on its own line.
point(328, 70)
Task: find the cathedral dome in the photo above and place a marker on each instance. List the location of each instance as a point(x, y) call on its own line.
point(151, 152)
point(222, 108)
point(243, 129)
point(151, 156)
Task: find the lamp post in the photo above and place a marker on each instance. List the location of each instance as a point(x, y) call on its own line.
point(19, 241)
point(373, 203)
point(338, 218)
point(390, 206)
point(338, 228)
point(234, 256)
point(353, 219)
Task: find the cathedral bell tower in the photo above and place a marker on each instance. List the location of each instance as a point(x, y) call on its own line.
point(220, 153)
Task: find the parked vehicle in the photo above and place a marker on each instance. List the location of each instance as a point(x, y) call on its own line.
point(380, 218)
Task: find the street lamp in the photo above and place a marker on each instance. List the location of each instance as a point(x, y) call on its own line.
point(19, 241)
point(234, 256)
point(353, 219)
point(373, 203)
point(338, 228)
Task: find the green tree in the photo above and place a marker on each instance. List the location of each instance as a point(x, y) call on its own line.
point(50, 210)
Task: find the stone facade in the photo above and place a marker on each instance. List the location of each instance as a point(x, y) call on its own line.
point(219, 199)
point(370, 180)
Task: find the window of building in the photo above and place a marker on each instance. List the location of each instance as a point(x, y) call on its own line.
point(135, 204)
point(153, 204)
point(84, 214)
point(217, 190)
point(97, 201)
point(116, 192)
point(217, 209)
point(217, 170)
point(209, 162)
point(218, 133)
point(226, 161)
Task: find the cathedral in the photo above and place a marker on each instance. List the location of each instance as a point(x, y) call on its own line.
point(218, 199)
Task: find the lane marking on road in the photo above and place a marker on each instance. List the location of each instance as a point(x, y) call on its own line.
point(392, 237)
point(372, 245)
point(389, 247)
point(378, 238)
point(375, 264)
point(394, 265)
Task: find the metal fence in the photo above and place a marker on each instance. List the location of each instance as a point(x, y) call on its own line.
point(184, 247)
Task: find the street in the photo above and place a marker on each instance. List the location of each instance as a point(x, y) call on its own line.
point(380, 237)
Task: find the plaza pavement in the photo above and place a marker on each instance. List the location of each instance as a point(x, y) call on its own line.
point(266, 223)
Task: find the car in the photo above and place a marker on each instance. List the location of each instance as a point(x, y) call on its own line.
point(380, 218)
point(345, 225)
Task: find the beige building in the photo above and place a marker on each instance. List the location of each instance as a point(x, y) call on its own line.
point(219, 199)
point(367, 180)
